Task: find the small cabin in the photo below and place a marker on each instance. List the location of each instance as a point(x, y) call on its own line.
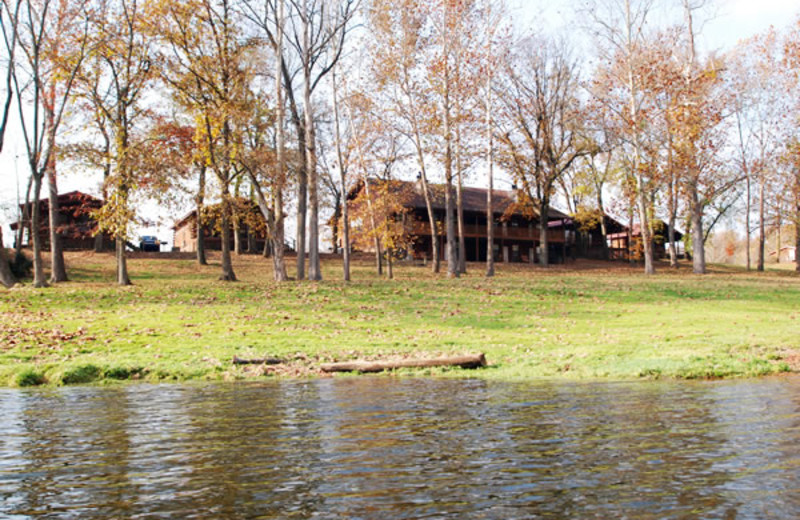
point(252, 228)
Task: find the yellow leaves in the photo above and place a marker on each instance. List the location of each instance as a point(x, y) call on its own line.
point(116, 215)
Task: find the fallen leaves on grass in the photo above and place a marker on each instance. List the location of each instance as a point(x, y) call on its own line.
point(55, 338)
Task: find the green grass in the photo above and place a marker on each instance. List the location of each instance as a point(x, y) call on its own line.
point(580, 321)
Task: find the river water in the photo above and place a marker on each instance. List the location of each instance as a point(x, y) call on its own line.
point(384, 448)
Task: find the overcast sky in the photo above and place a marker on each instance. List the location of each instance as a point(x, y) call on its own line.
point(734, 20)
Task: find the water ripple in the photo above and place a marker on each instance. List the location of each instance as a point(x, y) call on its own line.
point(403, 448)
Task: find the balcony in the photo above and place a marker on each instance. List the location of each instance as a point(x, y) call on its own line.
point(500, 232)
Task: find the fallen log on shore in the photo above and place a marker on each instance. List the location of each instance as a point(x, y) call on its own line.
point(257, 361)
point(469, 361)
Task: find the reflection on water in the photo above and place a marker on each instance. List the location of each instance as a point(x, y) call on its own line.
point(403, 448)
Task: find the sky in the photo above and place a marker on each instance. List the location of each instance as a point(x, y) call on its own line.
point(731, 21)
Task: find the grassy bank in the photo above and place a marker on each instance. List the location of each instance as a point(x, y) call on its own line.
point(587, 320)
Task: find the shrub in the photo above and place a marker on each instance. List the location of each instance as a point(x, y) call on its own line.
point(124, 373)
point(81, 374)
point(30, 377)
point(21, 266)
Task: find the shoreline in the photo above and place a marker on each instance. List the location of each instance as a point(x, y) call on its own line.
point(575, 322)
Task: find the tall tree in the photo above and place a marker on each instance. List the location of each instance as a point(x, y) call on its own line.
point(342, 166)
point(759, 108)
point(209, 58)
point(259, 157)
point(542, 119)
point(696, 118)
point(399, 51)
point(620, 27)
point(490, 57)
point(116, 82)
point(52, 39)
point(318, 31)
point(441, 76)
point(315, 33)
point(268, 17)
point(791, 62)
point(9, 19)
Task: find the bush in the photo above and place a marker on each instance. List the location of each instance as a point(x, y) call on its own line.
point(124, 373)
point(81, 374)
point(21, 266)
point(30, 377)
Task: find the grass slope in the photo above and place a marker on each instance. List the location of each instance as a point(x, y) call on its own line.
point(585, 320)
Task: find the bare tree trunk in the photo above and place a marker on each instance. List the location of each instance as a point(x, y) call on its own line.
point(748, 209)
point(314, 272)
point(252, 246)
point(630, 229)
point(462, 250)
point(489, 181)
point(236, 219)
point(698, 244)
point(449, 203)
point(58, 269)
point(237, 235)
point(374, 224)
point(6, 276)
point(36, 236)
point(647, 243)
point(278, 238)
point(761, 223)
point(335, 219)
point(227, 266)
point(200, 201)
point(697, 206)
point(490, 224)
point(426, 194)
point(302, 206)
point(122, 263)
point(644, 224)
point(603, 229)
point(99, 240)
point(278, 234)
point(378, 257)
point(345, 236)
point(452, 239)
point(343, 182)
point(389, 269)
point(544, 245)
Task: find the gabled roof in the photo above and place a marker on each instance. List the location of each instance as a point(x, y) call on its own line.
point(74, 203)
point(473, 199)
point(72, 198)
point(186, 219)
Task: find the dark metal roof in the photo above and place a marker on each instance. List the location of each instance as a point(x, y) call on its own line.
point(474, 199)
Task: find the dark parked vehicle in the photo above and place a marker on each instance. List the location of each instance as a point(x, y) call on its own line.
point(150, 244)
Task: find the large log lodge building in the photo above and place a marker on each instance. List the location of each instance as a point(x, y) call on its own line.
point(516, 232)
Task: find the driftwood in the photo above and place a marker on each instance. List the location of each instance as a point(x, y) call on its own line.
point(257, 361)
point(470, 361)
